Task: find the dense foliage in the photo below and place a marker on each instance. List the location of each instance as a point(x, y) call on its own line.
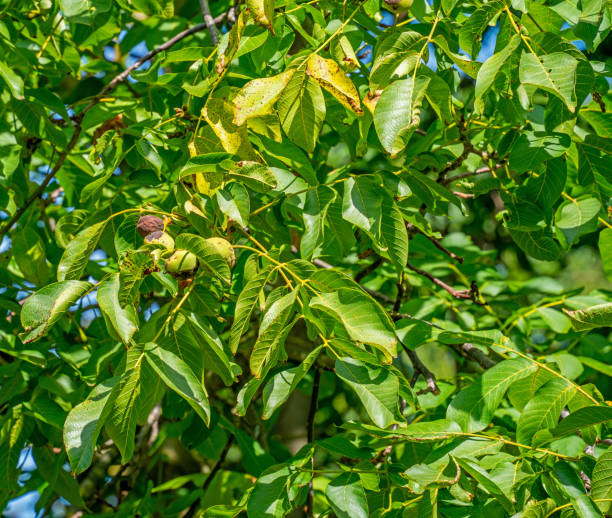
point(330, 258)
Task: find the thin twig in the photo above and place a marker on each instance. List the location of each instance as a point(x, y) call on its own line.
point(209, 21)
point(436, 243)
point(419, 368)
point(482, 170)
point(459, 294)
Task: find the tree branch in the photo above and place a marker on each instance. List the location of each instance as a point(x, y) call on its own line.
point(482, 170)
point(476, 354)
point(412, 228)
point(419, 368)
point(459, 294)
point(209, 21)
point(79, 118)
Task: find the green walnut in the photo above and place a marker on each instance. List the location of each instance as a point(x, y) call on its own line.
point(148, 224)
point(398, 5)
point(224, 247)
point(181, 262)
point(160, 238)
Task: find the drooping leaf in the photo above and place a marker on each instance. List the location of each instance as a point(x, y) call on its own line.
point(177, 375)
point(378, 389)
point(398, 112)
point(272, 333)
point(77, 253)
point(330, 76)
point(84, 424)
point(122, 319)
point(45, 307)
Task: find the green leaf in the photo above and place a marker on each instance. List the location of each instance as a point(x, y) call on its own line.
point(539, 244)
point(491, 67)
point(398, 112)
point(207, 255)
point(474, 406)
point(280, 386)
point(12, 80)
point(573, 217)
point(364, 320)
point(177, 375)
point(269, 496)
point(362, 204)
point(378, 389)
point(393, 233)
point(235, 203)
point(121, 422)
point(605, 249)
point(254, 176)
point(245, 305)
point(591, 317)
point(574, 488)
point(543, 411)
point(209, 346)
point(347, 497)
point(257, 97)
point(45, 307)
point(84, 424)
point(583, 418)
point(485, 479)
point(301, 109)
point(558, 73)
point(123, 320)
point(532, 148)
point(272, 333)
point(77, 253)
point(395, 55)
point(601, 481)
point(317, 202)
point(30, 256)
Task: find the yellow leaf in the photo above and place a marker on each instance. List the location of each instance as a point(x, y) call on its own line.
point(266, 125)
point(258, 96)
point(330, 76)
point(371, 99)
point(262, 12)
point(219, 114)
point(229, 45)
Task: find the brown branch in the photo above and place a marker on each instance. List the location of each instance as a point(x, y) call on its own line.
point(477, 355)
point(482, 170)
point(209, 21)
point(467, 149)
point(419, 368)
point(459, 294)
point(412, 228)
point(79, 118)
